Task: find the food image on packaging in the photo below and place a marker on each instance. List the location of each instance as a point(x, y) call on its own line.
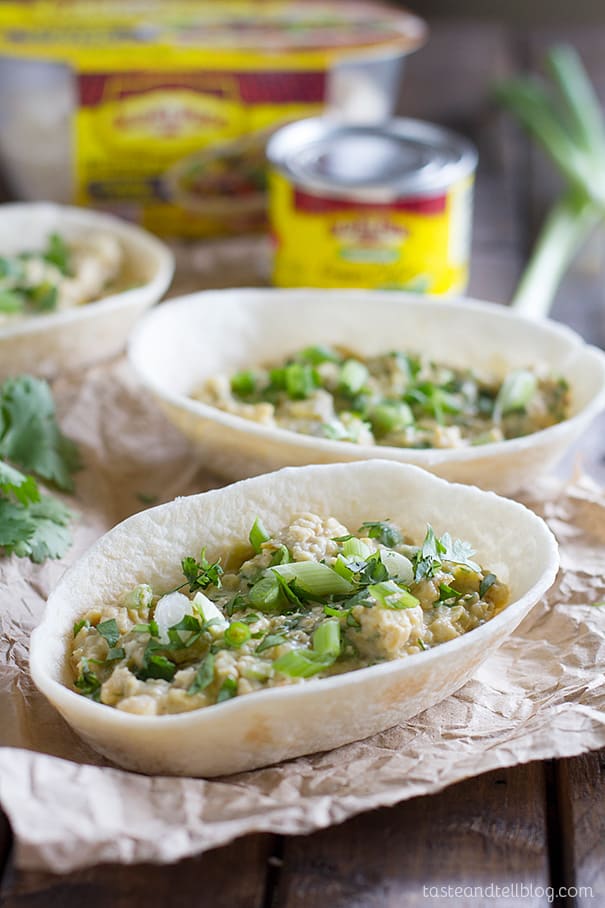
point(167, 106)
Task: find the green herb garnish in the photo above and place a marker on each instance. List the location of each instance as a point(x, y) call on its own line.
point(258, 535)
point(383, 531)
point(201, 574)
point(204, 675)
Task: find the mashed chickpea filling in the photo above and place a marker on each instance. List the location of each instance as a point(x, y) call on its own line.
point(314, 600)
point(399, 399)
point(60, 276)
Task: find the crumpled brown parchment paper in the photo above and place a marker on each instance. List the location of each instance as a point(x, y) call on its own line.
point(541, 695)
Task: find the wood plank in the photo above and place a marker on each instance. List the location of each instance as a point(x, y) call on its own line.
point(485, 831)
point(581, 796)
point(230, 877)
point(5, 844)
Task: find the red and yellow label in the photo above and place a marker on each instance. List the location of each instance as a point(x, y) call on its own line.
point(415, 243)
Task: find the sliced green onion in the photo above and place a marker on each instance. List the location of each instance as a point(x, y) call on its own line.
point(139, 598)
point(318, 354)
point(353, 376)
point(314, 578)
point(301, 663)
point(390, 417)
point(326, 639)
point(157, 666)
point(341, 567)
point(237, 634)
point(300, 381)
point(266, 594)
point(356, 548)
point(517, 390)
point(11, 301)
point(389, 595)
point(281, 555)
point(398, 566)
point(243, 383)
point(258, 535)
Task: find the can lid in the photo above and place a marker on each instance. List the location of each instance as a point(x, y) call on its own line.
point(375, 162)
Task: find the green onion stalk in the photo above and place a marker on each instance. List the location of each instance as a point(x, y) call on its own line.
point(566, 119)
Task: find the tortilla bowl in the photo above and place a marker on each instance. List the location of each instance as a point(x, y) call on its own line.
point(49, 344)
point(178, 346)
point(283, 722)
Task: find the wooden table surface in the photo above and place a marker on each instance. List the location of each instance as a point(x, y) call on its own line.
point(527, 831)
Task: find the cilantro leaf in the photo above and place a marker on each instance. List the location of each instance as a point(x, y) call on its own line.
point(201, 574)
point(51, 536)
point(29, 434)
point(268, 641)
point(204, 675)
point(429, 556)
point(156, 666)
point(16, 526)
point(487, 582)
point(383, 531)
point(458, 551)
point(434, 552)
point(88, 683)
point(109, 631)
point(12, 482)
point(228, 689)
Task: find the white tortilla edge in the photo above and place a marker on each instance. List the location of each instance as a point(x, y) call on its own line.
point(47, 345)
point(176, 347)
point(280, 723)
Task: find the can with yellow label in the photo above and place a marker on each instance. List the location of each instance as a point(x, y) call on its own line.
point(383, 207)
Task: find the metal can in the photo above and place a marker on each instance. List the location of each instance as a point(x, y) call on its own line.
point(385, 206)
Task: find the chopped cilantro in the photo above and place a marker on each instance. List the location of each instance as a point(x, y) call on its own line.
point(201, 574)
point(44, 297)
point(109, 631)
point(447, 592)
point(115, 653)
point(204, 675)
point(78, 625)
point(383, 531)
point(88, 683)
point(268, 641)
point(155, 665)
point(228, 689)
point(487, 582)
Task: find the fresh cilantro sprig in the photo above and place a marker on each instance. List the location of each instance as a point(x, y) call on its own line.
point(32, 524)
point(201, 574)
point(434, 551)
point(30, 436)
